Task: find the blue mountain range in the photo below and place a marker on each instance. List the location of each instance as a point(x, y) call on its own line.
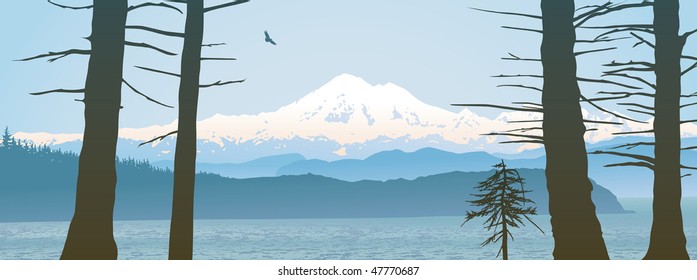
point(41, 187)
point(396, 164)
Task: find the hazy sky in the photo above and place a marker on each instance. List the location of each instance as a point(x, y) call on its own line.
point(441, 51)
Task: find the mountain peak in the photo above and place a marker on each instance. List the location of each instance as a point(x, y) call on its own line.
point(347, 79)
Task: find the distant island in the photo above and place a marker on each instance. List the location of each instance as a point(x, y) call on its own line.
point(43, 189)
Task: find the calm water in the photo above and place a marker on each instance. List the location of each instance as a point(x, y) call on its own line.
point(439, 238)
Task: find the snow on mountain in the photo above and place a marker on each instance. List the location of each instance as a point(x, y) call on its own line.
point(347, 111)
point(348, 117)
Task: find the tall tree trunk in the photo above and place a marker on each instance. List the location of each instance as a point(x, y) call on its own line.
point(91, 230)
point(667, 236)
point(504, 227)
point(182, 226)
point(576, 230)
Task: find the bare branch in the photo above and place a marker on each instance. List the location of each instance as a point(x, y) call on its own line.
point(156, 31)
point(602, 122)
point(143, 95)
point(148, 46)
point(630, 63)
point(606, 9)
point(528, 103)
point(595, 9)
point(608, 111)
point(689, 69)
point(159, 71)
point(60, 90)
point(519, 76)
point(523, 142)
point(630, 146)
point(587, 80)
point(689, 57)
point(630, 69)
point(58, 55)
point(522, 29)
point(642, 112)
point(150, 4)
point(225, 5)
point(217, 58)
point(594, 51)
point(642, 40)
point(499, 107)
point(517, 58)
point(621, 30)
point(637, 164)
point(641, 26)
point(636, 78)
point(688, 105)
point(638, 105)
point(634, 132)
point(159, 138)
point(608, 98)
point(221, 83)
point(521, 86)
point(602, 40)
point(687, 35)
point(688, 121)
point(689, 95)
point(70, 7)
point(514, 135)
point(627, 155)
point(524, 130)
point(525, 121)
point(508, 13)
point(644, 94)
point(688, 167)
point(213, 45)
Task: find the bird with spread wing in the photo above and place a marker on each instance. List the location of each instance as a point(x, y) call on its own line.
point(268, 38)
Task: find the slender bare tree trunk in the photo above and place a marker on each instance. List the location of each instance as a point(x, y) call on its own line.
point(667, 236)
point(182, 226)
point(91, 231)
point(504, 220)
point(576, 230)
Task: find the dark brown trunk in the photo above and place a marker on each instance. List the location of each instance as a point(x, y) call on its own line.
point(91, 230)
point(181, 238)
point(667, 236)
point(504, 228)
point(576, 230)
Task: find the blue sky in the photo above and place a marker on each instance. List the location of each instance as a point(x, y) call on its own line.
point(441, 51)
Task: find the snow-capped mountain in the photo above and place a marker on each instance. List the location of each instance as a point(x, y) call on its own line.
point(347, 117)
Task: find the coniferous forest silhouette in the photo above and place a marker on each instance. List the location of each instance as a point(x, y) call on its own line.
point(565, 32)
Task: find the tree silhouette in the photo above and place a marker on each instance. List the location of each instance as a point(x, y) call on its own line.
point(181, 227)
point(90, 235)
point(667, 234)
point(7, 140)
point(502, 205)
point(576, 228)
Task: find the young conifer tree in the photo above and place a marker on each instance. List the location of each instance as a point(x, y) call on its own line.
point(503, 205)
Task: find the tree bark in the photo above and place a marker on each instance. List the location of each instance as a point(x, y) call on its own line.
point(667, 235)
point(90, 235)
point(576, 229)
point(182, 225)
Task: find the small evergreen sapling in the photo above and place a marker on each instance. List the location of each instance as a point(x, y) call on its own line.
point(503, 205)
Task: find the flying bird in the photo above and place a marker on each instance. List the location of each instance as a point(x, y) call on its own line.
point(268, 38)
